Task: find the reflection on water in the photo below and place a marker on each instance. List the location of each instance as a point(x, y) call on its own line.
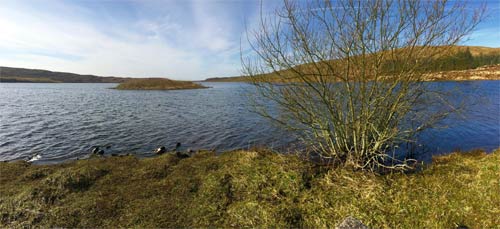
point(63, 121)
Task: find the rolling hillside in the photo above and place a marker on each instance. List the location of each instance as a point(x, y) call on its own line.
point(462, 58)
point(23, 75)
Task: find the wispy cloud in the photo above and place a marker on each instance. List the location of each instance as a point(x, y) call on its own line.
point(179, 39)
point(203, 42)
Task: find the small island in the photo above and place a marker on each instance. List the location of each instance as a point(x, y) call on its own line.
point(157, 84)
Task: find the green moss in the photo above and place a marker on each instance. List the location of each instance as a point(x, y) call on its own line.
point(248, 189)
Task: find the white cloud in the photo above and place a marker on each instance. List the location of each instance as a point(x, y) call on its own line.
point(212, 28)
point(177, 39)
point(161, 47)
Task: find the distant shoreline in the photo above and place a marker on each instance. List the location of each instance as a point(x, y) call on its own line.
point(487, 72)
point(25, 75)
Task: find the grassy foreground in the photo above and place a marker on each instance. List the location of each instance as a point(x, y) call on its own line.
point(248, 189)
point(157, 84)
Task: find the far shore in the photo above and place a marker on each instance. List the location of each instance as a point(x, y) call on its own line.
point(488, 72)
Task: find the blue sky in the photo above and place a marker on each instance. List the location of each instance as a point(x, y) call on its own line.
point(179, 39)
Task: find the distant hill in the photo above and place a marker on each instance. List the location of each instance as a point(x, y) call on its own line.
point(23, 75)
point(462, 58)
point(228, 79)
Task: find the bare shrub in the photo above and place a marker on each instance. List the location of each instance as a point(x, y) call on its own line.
point(348, 76)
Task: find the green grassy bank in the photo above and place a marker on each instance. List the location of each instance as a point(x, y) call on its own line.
point(240, 189)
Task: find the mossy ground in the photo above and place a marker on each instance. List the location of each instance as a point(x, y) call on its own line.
point(248, 189)
point(157, 84)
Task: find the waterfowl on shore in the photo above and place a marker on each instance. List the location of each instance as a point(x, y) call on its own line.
point(97, 151)
point(161, 150)
point(177, 146)
point(35, 157)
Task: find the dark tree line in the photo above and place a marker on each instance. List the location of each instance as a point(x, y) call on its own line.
point(463, 60)
point(460, 60)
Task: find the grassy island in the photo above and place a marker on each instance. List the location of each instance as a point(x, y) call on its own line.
point(157, 84)
point(248, 189)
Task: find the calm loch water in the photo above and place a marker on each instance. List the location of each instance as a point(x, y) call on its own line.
point(63, 121)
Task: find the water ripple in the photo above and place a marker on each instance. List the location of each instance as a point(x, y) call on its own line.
point(63, 121)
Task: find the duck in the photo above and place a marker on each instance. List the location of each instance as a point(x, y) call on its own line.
point(160, 150)
point(97, 151)
point(177, 146)
point(35, 157)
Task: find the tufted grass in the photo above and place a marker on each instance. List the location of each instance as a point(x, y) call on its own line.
point(248, 189)
point(157, 84)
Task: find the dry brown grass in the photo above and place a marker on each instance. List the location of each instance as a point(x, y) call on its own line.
point(248, 189)
point(157, 84)
point(483, 73)
point(491, 72)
